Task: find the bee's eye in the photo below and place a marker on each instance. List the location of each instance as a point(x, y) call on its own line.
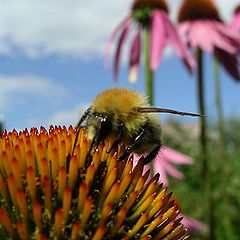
point(105, 127)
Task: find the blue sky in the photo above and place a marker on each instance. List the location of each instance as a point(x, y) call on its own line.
point(51, 62)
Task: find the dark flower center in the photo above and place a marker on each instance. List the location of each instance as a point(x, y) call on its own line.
point(142, 9)
point(198, 9)
point(237, 9)
point(152, 4)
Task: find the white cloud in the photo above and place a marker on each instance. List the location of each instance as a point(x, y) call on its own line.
point(15, 90)
point(61, 117)
point(77, 28)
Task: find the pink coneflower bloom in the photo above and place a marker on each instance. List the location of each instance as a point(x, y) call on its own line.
point(153, 15)
point(164, 164)
point(235, 23)
point(202, 28)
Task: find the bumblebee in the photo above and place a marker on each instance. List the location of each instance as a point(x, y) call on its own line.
point(126, 115)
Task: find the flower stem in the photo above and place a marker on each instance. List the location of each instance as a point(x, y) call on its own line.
point(206, 175)
point(149, 86)
point(201, 106)
point(219, 109)
point(148, 71)
point(222, 148)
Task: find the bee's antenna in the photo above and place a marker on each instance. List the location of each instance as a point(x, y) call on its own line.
point(166, 110)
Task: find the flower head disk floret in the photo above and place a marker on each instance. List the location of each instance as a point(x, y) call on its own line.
point(46, 192)
point(153, 16)
point(201, 26)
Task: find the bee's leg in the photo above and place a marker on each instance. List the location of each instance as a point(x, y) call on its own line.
point(152, 154)
point(84, 116)
point(131, 148)
point(119, 137)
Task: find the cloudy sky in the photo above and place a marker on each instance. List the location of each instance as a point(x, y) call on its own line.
point(51, 62)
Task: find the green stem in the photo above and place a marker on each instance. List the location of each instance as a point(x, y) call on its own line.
point(219, 109)
point(203, 145)
point(148, 71)
point(201, 106)
point(222, 150)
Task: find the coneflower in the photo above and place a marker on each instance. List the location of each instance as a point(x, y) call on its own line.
point(155, 29)
point(200, 18)
point(48, 192)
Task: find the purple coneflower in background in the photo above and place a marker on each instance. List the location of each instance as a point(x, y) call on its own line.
point(152, 14)
point(202, 28)
point(235, 23)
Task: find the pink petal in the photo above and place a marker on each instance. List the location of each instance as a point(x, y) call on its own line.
point(194, 224)
point(158, 36)
point(221, 39)
point(175, 156)
point(229, 61)
point(121, 25)
point(135, 56)
point(235, 23)
point(176, 41)
point(230, 36)
point(159, 168)
point(117, 57)
point(170, 170)
point(197, 36)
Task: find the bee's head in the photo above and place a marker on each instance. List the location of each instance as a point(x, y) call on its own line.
point(98, 126)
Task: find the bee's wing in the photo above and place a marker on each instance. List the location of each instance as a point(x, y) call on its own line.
point(165, 110)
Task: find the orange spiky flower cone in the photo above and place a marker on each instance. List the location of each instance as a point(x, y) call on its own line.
point(46, 192)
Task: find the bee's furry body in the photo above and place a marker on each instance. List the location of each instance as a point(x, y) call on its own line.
point(118, 105)
point(126, 115)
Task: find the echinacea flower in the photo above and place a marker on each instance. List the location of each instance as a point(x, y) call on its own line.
point(48, 192)
point(151, 15)
point(235, 23)
point(202, 28)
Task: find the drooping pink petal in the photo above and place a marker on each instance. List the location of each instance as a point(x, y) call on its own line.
point(134, 58)
point(220, 38)
point(235, 23)
point(175, 156)
point(197, 36)
point(194, 225)
point(170, 169)
point(158, 39)
point(231, 36)
point(174, 38)
point(119, 28)
point(117, 56)
point(159, 168)
point(230, 62)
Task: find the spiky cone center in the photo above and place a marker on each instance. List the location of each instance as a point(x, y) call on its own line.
point(48, 192)
point(142, 10)
point(198, 10)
